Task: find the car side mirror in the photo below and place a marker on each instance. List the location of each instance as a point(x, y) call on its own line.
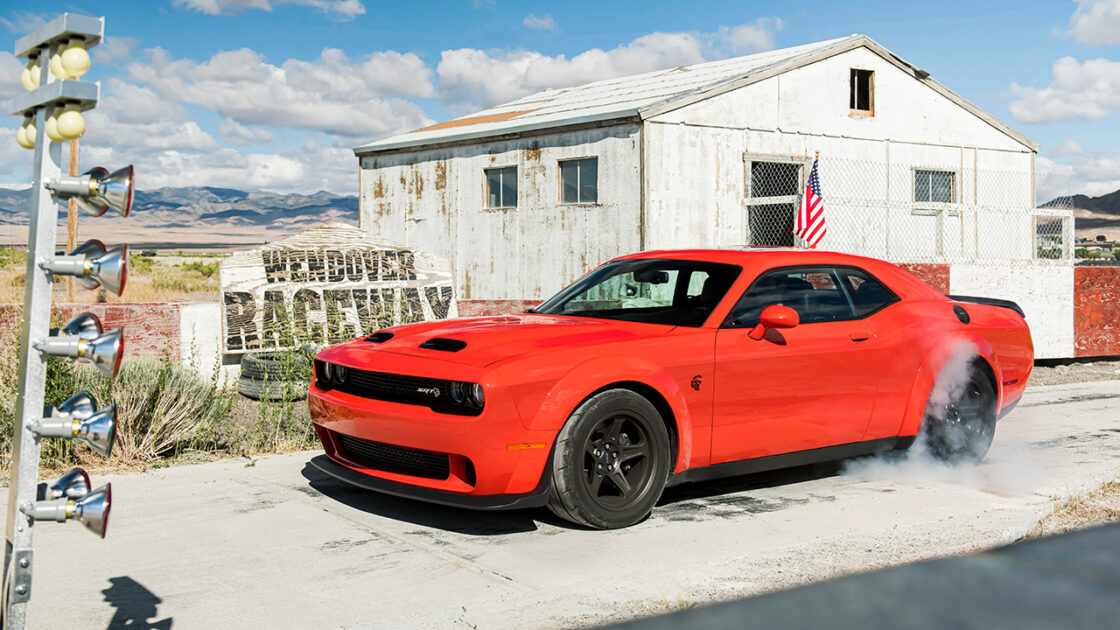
point(774, 316)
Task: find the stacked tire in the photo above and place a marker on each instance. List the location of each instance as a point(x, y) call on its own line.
point(275, 376)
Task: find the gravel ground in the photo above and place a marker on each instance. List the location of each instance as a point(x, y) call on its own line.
point(1064, 371)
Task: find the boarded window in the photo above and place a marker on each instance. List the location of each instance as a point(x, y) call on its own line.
point(934, 186)
point(579, 181)
point(862, 96)
point(501, 187)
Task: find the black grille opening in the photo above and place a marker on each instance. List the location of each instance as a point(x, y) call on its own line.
point(379, 337)
point(400, 388)
point(394, 459)
point(444, 344)
point(471, 476)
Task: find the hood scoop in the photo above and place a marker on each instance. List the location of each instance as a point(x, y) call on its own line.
point(379, 337)
point(444, 344)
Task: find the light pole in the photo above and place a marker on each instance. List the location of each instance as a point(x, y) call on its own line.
point(52, 114)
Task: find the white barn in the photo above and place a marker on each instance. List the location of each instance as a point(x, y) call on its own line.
point(524, 197)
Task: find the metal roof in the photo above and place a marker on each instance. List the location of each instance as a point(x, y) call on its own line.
point(642, 96)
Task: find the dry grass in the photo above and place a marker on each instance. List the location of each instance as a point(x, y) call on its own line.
point(164, 277)
point(1094, 508)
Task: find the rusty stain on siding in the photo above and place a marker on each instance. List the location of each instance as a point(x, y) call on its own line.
point(441, 175)
point(378, 189)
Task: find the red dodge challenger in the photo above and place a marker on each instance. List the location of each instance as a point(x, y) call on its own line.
point(664, 367)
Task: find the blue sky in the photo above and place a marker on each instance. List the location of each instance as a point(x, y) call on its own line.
point(272, 94)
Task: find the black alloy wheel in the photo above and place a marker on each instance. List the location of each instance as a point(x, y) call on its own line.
point(962, 428)
point(611, 461)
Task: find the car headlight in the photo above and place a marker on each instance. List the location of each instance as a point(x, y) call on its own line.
point(477, 397)
point(341, 372)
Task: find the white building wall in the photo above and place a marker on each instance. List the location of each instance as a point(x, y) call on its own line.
point(435, 201)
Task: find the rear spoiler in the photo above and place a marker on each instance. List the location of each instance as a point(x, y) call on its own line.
point(989, 301)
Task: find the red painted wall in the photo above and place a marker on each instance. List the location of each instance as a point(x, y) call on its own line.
point(934, 274)
point(150, 330)
point(1096, 311)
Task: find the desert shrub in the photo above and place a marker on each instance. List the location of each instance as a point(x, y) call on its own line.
point(141, 263)
point(206, 270)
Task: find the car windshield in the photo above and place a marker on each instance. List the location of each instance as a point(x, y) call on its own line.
point(670, 292)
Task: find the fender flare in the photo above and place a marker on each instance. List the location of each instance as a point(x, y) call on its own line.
point(935, 360)
point(599, 373)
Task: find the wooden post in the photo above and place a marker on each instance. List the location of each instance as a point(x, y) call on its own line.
point(72, 219)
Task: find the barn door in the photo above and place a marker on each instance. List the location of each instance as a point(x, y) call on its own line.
point(773, 192)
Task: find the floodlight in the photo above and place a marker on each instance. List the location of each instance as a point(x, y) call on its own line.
point(104, 351)
point(75, 59)
point(98, 190)
point(92, 510)
point(29, 78)
point(93, 265)
point(73, 485)
point(79, 419)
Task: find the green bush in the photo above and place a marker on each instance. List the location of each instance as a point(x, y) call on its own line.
point(141, 263)
point(206, 270)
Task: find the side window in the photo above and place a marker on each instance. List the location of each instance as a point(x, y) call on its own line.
point(814, 292)
point(868, 294)
point(579, 181)
point(501, 187)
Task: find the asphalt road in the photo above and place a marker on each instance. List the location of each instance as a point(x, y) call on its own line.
point(279, 545)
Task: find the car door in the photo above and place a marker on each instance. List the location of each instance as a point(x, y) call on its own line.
point(800, 388)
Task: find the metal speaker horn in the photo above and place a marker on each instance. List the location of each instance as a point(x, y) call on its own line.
point(90, 205)
point(92, 510)
point(79, 406)
point(85, 326)
point(116, 190)
point(98, 190)
point(94, 265)
point(73, 485)
point(105, 352)
point(99, 430)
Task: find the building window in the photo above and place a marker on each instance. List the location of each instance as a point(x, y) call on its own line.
point(773, 193)
point(579, 181)
point(501, 187)
point(934, 186)
point(861, 100)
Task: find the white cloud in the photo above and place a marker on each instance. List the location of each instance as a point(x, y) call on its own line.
point(23, 22)
point(342, 9)
point(1089, 174)
point(114, 49)
point(242, 136)
point(471, 79)
point(1089, 90)
point(1096, 22)
point(542, 23)
point(334, 94)
point(1068, 147)
point(10, 69)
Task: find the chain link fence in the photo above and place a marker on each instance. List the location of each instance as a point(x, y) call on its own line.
point(906, 213)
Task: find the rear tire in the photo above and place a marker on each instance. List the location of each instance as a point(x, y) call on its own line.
point(961, 426)
point(611, 461)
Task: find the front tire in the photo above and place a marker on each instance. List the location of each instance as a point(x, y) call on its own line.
point(611, 461)
point(961, 423)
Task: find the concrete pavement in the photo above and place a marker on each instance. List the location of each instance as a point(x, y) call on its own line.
point(278, 544)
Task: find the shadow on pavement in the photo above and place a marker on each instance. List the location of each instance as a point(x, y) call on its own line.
point(135, 606)
point(447, 518)
point(716, 489)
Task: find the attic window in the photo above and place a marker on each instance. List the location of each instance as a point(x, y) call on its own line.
point(862, 96)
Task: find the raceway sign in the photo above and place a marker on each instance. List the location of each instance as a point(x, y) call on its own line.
point(326, 285)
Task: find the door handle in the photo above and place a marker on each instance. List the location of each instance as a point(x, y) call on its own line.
point(859, 336)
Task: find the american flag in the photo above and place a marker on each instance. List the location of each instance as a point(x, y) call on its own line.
point(810, 216)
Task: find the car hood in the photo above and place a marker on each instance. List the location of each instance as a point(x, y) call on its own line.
point(487, 340)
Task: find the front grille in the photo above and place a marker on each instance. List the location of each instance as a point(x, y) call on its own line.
point(399, 388)
point(394, 459)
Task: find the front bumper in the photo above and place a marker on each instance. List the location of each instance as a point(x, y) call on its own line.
point(538, 497)
point(483, 470)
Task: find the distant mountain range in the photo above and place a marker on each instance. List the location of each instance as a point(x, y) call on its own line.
point(201, 216)
point(1092, 215)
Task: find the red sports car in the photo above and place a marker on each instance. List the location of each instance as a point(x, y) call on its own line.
point(664, 367)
